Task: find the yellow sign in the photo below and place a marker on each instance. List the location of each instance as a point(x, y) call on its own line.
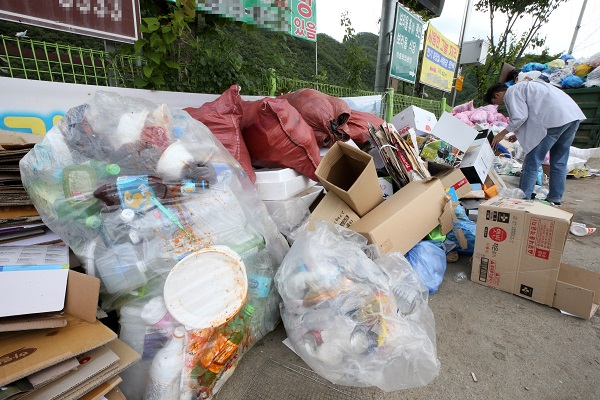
point(439, 62)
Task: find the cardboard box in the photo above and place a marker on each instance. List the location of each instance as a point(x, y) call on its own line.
point(407, 216)
point(448, 142)
point(518, 247)
point(350, 174)
point(332, 208)
point(422, 121)
point(26, 352)
point(477, 161)
point(34, 279)
point(577, 291)
point(454, 178)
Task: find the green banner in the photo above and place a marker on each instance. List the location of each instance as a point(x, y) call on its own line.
point(407, 43)
point(295, 17)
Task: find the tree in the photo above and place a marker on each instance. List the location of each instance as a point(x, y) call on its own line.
point(508, 46)
point(355, 60)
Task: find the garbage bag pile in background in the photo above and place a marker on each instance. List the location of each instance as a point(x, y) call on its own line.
point(355, 317)
point(136, 189)
point(484, 116)
point(567, 71)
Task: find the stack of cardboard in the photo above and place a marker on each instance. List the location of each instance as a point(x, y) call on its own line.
point(20, 222)
point(54, 348)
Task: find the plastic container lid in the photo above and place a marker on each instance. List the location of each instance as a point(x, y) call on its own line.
point(127, 215)
point(206, 288)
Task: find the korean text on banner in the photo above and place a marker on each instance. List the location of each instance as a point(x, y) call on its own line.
point(406, 46)
point(439, 60)
point(296, 17)
point(304, 19)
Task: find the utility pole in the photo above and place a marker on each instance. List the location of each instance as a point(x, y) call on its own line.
point(465, 23)
point(577, 27)
point(384, 49)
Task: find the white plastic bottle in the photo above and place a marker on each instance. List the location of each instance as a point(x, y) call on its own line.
point(165, 371)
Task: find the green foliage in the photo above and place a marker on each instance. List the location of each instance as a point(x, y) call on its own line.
point(355, 60)
point(507, 45)
point(165, 38)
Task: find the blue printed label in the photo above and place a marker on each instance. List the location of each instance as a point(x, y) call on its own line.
point(135, 192)
point(259, 286)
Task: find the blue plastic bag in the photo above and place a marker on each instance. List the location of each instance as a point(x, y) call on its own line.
point(428, 259)
point(533, 66)
point(571, 81)
point(468, 228)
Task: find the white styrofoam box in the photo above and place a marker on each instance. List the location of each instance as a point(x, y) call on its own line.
point(422, 121)
point(275, 174)
point(280, 183)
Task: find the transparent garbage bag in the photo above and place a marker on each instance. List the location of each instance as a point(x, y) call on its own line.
point(134, 188)
point(356, 317)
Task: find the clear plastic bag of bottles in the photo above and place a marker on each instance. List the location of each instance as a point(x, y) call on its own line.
point(356, 317)
point(133, 188)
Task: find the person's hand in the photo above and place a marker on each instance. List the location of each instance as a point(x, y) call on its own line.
point(512, 138)
point(498, 138)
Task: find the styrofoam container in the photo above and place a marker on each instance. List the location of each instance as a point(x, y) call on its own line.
point(206, 288)
point(280, 184)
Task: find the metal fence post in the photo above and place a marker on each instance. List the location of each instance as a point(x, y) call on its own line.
point(272, 83)
point(389, 112)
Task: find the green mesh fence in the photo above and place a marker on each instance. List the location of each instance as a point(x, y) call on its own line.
point(38, 60)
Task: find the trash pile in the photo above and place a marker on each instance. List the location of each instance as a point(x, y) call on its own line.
point(154, 206)
point(566, 72)
point(187, 217)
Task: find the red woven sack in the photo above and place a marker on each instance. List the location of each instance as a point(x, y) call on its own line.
point(358, 125)
point(326, 115)
point(223, 117)
point(278, 137)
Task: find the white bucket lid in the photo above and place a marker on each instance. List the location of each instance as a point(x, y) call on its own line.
point(206, 288)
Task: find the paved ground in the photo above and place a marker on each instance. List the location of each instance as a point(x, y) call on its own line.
point(517, 349)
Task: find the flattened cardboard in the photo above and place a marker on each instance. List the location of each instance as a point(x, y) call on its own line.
point(25, 322)
point(332, 208)
point(26, 352)
point(454, 178)
point(115, 394)
point(53, 372)
point(103, 389)
point(407, 216)
point(91, 363)
point(477, 161)
point(518, 247)
point(127, 357)
point(350, 173)
point(577, 291)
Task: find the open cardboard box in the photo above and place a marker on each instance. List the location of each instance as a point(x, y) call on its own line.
point(448, 142)
point(25, 352)
point(518, 249)
point(407, 216)
point(577, 291)
point(350, 174)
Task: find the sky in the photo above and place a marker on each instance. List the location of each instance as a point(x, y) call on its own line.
point(364, 16)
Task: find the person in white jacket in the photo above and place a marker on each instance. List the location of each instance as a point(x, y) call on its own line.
point(544, 119)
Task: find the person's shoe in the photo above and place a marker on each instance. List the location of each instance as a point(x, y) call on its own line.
point(452, 256)
point(555, 204)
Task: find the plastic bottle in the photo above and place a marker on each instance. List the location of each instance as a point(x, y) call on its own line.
point(165, 371)
point(156, 315)
point(119, 267)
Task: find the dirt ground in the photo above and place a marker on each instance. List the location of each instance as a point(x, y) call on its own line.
point(514, 348)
